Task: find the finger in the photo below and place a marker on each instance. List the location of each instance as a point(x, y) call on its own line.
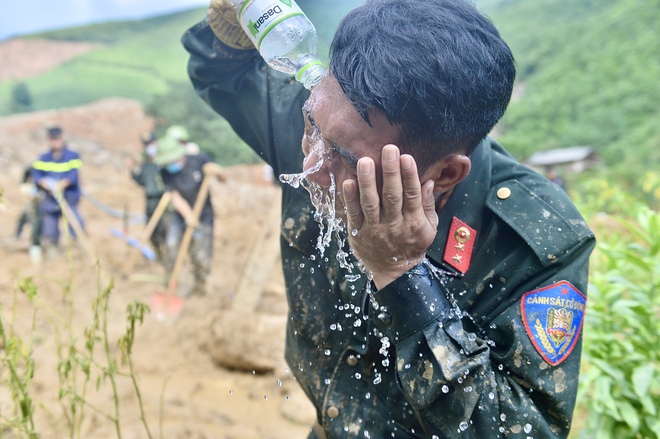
point(352, 205)
point(392, 199)
point(369, 199)
point(428, 202)
point(412, 188)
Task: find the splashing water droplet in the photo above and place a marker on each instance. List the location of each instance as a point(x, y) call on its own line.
point(445, 389)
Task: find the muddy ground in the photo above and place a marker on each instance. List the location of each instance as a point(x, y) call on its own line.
point(214, 371)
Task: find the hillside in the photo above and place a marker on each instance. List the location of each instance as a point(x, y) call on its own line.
point(133, 59)
point(587, 72)
point(590, 72)
point(137, 59)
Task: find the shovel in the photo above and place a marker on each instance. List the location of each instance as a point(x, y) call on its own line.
point(87, 246)
point(167, 304)
point(148, 231)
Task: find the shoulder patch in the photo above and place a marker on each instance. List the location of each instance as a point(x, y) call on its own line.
point(553, 318)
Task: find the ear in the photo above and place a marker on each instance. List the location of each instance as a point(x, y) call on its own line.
point(448, 172)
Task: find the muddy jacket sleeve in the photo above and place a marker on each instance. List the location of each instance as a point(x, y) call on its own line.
point(257, 101)
point(492, 382)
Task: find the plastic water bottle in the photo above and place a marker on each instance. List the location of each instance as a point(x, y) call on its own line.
point(284, 36)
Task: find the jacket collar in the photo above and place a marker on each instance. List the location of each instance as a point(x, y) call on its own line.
point(466, 203)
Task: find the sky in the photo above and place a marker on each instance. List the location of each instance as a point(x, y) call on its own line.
point(19, 17)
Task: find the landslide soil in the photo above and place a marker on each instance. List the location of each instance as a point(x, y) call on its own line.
point(180, 362)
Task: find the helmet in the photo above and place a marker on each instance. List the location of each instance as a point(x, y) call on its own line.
point(178, 132)
point(169, 151)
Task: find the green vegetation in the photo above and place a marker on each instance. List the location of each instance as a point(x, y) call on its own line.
point(588, 69)
point(21, 99)
point(134, 59)
point(79, 363)
point(144, 60)
point(587, 75)
point(620, 383)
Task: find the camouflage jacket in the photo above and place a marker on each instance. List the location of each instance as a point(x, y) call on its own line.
point(489, 348)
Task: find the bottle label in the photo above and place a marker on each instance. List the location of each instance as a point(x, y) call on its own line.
point(258, 17)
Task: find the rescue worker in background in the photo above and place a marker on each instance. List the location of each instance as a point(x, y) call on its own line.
point(554, 177)
point(183, 137)
point(147, 175)
point(182, 175)
point(56, 172)
point(30, 215)
point(469, 322)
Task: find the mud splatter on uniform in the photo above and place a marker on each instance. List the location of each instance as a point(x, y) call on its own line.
point(462, 357)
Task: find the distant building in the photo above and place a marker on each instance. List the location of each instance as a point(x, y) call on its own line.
point(574, 159)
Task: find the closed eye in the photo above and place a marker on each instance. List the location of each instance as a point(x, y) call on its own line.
point(349, 160)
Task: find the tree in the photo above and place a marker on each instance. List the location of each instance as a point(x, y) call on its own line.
point(21, 99)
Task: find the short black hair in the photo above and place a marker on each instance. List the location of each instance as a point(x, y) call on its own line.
point(437, 68)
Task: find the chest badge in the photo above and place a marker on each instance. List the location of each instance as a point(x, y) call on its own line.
point(553, 318)
point(460, 243)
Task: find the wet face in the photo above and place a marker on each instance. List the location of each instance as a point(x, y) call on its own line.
point(336, 137)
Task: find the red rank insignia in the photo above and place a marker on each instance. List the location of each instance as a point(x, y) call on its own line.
point(460, 242)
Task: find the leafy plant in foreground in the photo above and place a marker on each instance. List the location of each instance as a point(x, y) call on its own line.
point(77, 367)
point(620, 384)
point(18, 361)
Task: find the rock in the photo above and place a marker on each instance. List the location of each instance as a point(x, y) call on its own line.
point(246, 343)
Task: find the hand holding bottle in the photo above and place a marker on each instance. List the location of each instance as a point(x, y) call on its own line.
point(225, 25)
point(284, 36)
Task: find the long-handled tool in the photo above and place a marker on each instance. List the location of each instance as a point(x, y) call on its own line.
point(148, 231)
point(72, 219)
point(145, 249)
point(167, 304)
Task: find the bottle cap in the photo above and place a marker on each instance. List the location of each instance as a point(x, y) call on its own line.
point(311, 73)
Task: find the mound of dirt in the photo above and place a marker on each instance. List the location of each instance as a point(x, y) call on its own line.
point(215, 366)
point(42, 56)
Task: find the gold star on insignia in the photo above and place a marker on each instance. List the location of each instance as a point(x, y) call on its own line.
point(460, 246)
point(457, 259)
